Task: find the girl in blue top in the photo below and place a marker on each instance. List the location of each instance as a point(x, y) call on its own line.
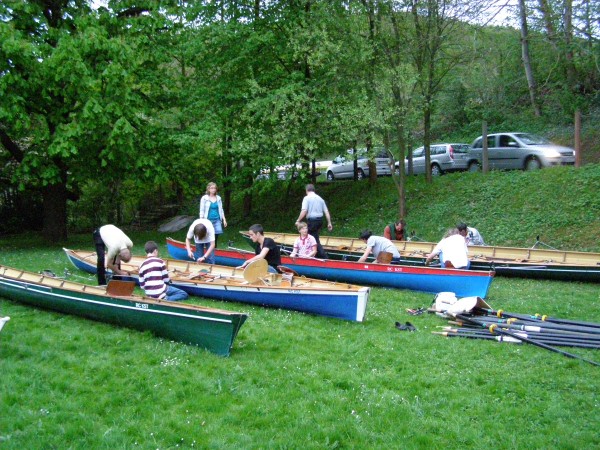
point(211, 208)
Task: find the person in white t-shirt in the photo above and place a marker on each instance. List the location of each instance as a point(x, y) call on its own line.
point(203, 234)
point(452, 251)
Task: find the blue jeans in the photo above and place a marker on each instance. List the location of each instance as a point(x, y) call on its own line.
point(200, 249)
point(175, 294)
point(443, 262)
point(218, 225)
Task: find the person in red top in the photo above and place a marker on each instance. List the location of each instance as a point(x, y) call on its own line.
point(396, 231)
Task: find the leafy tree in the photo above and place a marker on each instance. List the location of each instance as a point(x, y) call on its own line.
point(67, 101)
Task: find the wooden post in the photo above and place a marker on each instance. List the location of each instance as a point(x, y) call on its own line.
point(578, 138)
point(484, 153)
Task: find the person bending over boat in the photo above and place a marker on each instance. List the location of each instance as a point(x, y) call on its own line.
point(378, 245)
point(396, 231)
point(154, 277)
point(203, 234)
point(305, 245)
point(266, 248)
point(471, 234)
point(112, 247)
point(452, 251)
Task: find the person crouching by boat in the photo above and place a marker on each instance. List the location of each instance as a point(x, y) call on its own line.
point(395, 231)
point(305, 245)
point(154, 277)
point(203, 234)
point(378, 246)
point(452, 251)
point(471, 234)
point(112, 247)
point(266, 248)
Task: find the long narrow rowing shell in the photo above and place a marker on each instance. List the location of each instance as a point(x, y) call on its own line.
point(464, 283)
point(212, 329)
point(505, 261)
point(338, 300)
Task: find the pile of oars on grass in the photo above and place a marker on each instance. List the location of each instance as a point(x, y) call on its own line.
point(541, 331)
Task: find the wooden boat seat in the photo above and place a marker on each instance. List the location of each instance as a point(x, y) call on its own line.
point(384, 258)
point(118, 288)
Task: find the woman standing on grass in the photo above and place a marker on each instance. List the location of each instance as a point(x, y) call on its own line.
point(211, 208)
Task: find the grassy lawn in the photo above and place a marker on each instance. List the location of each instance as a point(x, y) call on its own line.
point(301, 381)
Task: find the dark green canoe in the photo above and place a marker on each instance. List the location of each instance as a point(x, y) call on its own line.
point(212, 329)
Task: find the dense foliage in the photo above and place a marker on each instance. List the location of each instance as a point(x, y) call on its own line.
point(108, 111)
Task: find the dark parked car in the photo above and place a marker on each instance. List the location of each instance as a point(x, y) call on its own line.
point(520, 151)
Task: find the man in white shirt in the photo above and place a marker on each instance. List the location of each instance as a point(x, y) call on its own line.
point(203, 234)
point(452, 251)
point(112, 247)
point(314, 208)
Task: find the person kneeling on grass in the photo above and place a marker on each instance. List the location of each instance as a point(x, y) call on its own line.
point(154, 278)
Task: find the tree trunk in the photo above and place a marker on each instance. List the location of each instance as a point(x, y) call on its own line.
point(568, 45)
point(55, 212)
point(427, 138)
point(401, 184)
point(526, 59)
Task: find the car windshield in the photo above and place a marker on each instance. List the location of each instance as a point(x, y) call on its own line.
point(532, 139)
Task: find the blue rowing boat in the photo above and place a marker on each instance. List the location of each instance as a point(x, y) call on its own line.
point(337, 300)
point(464, 283)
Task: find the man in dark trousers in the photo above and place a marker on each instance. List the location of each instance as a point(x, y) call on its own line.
point(112, 247)
point(314, 208)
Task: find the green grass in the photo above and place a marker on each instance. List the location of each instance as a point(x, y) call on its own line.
point(301, 381)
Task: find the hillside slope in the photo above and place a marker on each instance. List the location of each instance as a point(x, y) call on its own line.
point(560, 205)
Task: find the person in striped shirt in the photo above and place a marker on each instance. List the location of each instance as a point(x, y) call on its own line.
point(154, 278)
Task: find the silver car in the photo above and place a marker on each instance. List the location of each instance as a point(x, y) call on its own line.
point(342, 167)
point(520, 151)
point(444, 158)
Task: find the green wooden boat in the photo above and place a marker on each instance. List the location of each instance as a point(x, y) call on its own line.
point(212, 329)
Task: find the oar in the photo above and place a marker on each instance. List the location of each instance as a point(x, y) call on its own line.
point(537, 337)
point(286, 253)
point(537, 318)
point(537, 344)
point(550, 333)
point(512, 340)
point(536, 326)
point(520, 328)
